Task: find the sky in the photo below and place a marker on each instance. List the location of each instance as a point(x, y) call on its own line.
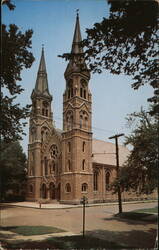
point(53, 23)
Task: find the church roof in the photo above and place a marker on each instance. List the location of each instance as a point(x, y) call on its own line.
point(41, 86)
point(104, 153)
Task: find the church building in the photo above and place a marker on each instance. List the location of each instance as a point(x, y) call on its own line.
point(65, 165)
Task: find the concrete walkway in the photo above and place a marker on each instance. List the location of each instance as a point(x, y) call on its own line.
point(66, 206)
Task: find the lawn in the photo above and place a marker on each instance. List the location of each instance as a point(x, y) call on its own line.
point(147, 210)
point(67, 242)
point(33, 230)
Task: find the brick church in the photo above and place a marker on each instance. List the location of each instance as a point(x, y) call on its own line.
point(65, 165)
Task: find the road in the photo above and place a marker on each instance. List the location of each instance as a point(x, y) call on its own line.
point(68, 219)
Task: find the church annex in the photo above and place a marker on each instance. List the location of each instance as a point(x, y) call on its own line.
point(65, 165)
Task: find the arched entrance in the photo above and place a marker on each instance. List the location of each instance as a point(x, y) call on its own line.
point(43, 191)
point(52, 191)
point(59, 191)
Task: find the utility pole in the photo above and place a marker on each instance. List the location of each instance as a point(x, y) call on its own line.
point(117, 168)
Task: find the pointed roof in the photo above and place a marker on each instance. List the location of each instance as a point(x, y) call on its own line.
point(41, 86)
point(76, 48)
point(42, 65)
point(75, 63)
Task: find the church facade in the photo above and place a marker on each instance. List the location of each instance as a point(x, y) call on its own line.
point(65, 165)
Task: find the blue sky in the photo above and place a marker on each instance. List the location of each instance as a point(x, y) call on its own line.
point(53, 24)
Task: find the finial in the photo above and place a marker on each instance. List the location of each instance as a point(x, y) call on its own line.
point(42, 46)
point(77, 11)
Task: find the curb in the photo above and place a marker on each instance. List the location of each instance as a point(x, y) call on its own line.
point(77, 206)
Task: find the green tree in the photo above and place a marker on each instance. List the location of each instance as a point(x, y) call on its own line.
point(13, 167)
point(140, 172)
point(126, 42)
point(15, 56)
point(9, 3)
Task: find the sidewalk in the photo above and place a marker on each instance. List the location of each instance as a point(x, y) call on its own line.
point(66, 206)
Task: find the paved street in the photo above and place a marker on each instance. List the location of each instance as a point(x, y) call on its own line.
point(99, 221)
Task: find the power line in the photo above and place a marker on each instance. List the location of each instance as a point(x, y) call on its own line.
point(89, 127)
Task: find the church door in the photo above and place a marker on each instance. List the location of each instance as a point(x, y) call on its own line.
point(43, 191)
point(52, 191)
point(58, 192)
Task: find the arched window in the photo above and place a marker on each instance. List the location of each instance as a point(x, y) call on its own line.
point(71, 92)
point(83, 146)
point(85, 122)
point(43, 191)
point(83, 119)
point(54, 151)
point(70, 88)
point(83, 88)
point(83, 164)
point(52, 190)
point(84, 93)
point(31, 188)
point(44, 134)
point(45, 108)
point(69, 146)
point(68, 188)
point(33, 134)
point(52, 167)
point(69, 120)
point(107, 180)
point(84, 187)
point(69, 165)
point(95, 180)
point(46, 165)
point(32, 172)
point(81, 92)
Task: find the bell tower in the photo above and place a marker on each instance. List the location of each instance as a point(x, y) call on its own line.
point(40, 125)
point(77, 136)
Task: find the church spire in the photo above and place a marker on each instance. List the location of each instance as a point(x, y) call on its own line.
point(41, 86)
point(76, 48)
point(77, 62)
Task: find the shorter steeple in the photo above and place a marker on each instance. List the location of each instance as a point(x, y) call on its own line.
point(41, 86)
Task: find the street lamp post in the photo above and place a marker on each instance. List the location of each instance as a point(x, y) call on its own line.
point(83, 201)
point(117, 168)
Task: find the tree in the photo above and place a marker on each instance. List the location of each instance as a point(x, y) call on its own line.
point(15, 56)
point(126, 42)
point(13, 167)
point(140, 172)
point(9, 3)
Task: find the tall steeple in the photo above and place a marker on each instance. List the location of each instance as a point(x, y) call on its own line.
point(77, 62)
point(41, 86)
point(77, 135)
point(76, 48)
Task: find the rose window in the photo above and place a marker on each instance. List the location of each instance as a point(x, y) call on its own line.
point(54, 151)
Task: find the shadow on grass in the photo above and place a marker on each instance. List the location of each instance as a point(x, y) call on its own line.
point(98, 239)
point(67, 242)
point(133, 218)
point(133, 239)
point(32, 230)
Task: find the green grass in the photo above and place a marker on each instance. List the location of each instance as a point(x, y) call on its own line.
point(33, 230)
point(67, 242)
point(147, 210)
point(137, 216)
